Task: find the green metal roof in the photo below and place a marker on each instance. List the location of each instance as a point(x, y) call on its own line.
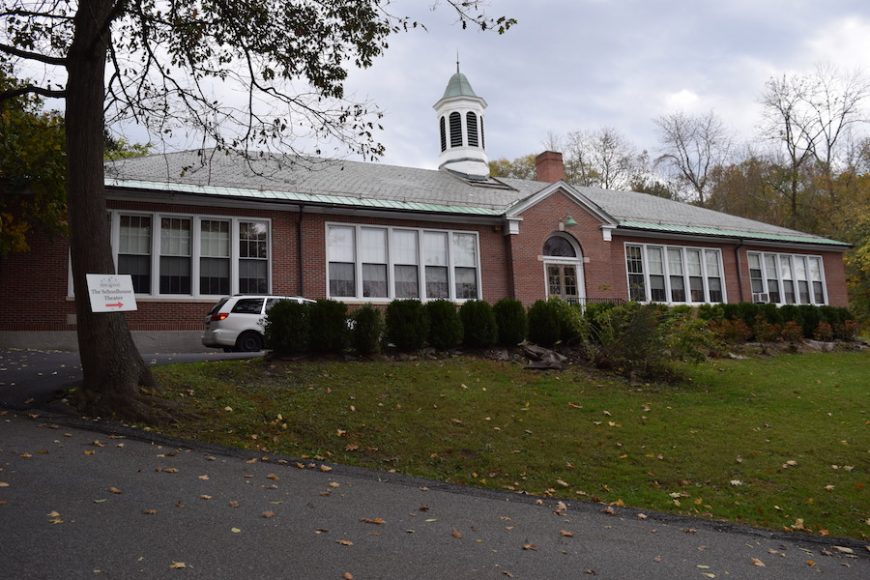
point(797, 237)
point(458, 86)
point(311, 198)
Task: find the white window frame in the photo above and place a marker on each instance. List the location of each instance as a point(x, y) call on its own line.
point(391, 278)
point(777, 257)
point(666, 272)
point(196, 243)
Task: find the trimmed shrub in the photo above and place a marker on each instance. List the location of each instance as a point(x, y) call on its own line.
point(572, 325)
point(288, 328)
point(731, 312)
point(790, 313)
point(764, 330)
point(328, 326)
point(711, 312)
point(830, 314)
point(824, 331)
point(747, 312)
point(544, 323)
point(771, 313)
point(445, 327)
point(792, 331)
point(407, 324)
point(510, 318)
point(810, 318)
point(368, 329)
point(731, 331)
point(848, 330)
point(682, 310)
point(478, 323)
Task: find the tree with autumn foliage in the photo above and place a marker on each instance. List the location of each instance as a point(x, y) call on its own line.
point(154, 63)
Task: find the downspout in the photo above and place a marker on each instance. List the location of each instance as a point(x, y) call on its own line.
point(299, 252)
point(739, 269)
point(509, 254)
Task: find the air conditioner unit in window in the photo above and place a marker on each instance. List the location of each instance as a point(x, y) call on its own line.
point(760, 297)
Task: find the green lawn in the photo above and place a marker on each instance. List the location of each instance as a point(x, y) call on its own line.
point(717, 445)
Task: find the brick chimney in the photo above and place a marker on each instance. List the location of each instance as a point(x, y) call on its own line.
point(549, 167)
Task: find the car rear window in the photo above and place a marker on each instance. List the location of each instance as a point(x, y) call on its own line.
point(249, 306)
point(217, 306)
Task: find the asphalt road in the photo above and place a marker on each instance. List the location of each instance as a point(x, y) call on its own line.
point(32, 378)
point(96, 500)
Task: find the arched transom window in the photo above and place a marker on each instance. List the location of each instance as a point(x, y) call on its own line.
point(559, 246)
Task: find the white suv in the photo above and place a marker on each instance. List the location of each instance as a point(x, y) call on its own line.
point(238, 322)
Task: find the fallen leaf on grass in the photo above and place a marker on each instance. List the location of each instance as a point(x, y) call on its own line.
point(54, 517)
point(757, 562)
point(347, 576)
point(566, 534)
point(325, 468)
point(376, 521)
point(531, 547)
point(167, 469)
point(236, 530)
point(736, 482)
point(268, 514)
point(456, 534)
point(177, 565)
point(562, 483)
point(345, 542)
point(233, 503)
point(272, 476)
point(150, 512)
point(205, 497)
point(789, 463)
point(115, 490)
point(203, 477)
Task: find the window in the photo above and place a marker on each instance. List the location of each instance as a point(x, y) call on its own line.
point(435, 258)
point(405, 258)
point(675, 271)
point(253, 258)
point(249, 306)
point(756, 280)
point(175, 252)
point(790, 278)
point(673, 274)
point(455, 130)
point(471, 126)
point(636, 286)
point(656, 270)
point(443, 127)
point(696, 275)
point(465, 258)
point(373, 252)
point(559, 246)
point(134, 253)
point(385, 263)
point(192, 256)
point(714, 275)
point(342, 257)
point(214, 261)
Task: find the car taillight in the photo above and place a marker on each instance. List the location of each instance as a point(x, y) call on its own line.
point(220, 316)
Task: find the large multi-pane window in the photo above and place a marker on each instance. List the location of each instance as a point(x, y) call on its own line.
point(787, 278)
point(177, 255)
point(175, 252)
point(214, 261)
point(664, 273)
point(388, 263)
point(134, 253)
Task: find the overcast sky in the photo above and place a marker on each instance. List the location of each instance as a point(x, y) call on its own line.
point(585, 64)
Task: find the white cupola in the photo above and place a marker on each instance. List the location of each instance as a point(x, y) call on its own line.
point(460, 126)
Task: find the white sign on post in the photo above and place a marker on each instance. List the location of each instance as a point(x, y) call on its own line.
point(111, 292)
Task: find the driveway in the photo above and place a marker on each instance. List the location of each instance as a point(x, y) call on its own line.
point(31, 378)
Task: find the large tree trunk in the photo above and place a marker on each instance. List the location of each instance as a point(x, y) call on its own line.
point(112, 368)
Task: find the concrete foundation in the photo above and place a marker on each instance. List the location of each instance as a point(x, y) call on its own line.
point(149, 342)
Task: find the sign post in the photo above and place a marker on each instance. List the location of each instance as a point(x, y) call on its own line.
point(111, 292)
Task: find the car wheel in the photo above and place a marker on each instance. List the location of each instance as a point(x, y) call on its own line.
point(229, 349)
point(249, 342)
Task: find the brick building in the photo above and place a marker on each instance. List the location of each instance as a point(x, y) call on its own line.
point(190, 227)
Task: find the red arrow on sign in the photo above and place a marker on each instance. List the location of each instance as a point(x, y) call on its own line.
point(115, 305)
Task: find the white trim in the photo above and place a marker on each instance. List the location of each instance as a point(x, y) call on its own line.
point(581, 200)
point(666, 272)
point(358, 298)
point(577, 261)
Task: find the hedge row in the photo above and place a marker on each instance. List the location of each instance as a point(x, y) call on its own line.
point(600, 329)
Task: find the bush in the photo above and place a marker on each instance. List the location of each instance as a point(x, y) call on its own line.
point(790, 313)
point(328, 326)
point(368, 329)
point(572, 324)
point(764, 330)
point(711, 312)
point(731, 311)
point(824, 332)
point(544, 323)
point(407, 324)
point(510, 318)
point(848, 330)
point(478, 323)
point(771, 313)
point(731, 331)
point(747, 312)
point(792, 331)
point(810, 318)
point(288, 328)
point(445, 327)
